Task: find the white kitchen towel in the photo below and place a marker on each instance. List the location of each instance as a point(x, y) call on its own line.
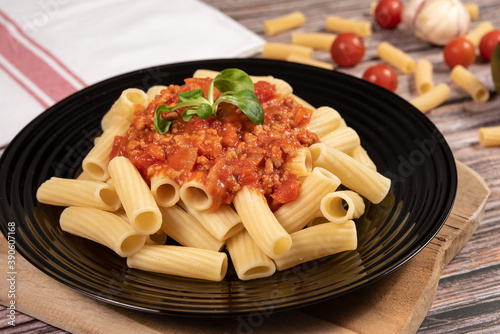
point(51, 48)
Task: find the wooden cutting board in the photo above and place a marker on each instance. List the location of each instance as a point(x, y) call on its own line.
point(398, 303)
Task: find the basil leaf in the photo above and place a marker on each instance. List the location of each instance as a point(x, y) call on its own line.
point(249, 104)
point(233, 79)
point(204, 110)
point(191, 95)
point(235, 87)
point(162, 125)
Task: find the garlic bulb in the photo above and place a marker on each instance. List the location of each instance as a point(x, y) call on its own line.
point(436, 21)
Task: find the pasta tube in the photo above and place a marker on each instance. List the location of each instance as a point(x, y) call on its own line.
point(260, 222)
point(165, 191)
point(353, 174)
point(474, 36)
point(324, 120)
point(396, 57)
point(338, 24)
point(360, 154)
point(194, 194)
point(102, 227)
point(303, 102)
point(320, 41)
point(332, 206)
point(470, 83)
point(293, 216)
point(489, 136)
point(95, 163)
point(70, 192)
point(158, 238)
point(281, 51)
point(186, 230)
point(473, 10)
point(317, 241)
point(433, 98)
point(309, 61)
point(130, 101)
point(301, 164)
point(135, 195)
point(153, 91)
point(181, 261)
point(344, 139)
point(249, 261)
point(222, 224)
point(283, 23)
point(423, 76)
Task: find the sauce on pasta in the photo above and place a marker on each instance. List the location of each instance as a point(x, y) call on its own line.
point(225, 153)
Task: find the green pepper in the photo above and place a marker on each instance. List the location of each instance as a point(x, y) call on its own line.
point(495, 67)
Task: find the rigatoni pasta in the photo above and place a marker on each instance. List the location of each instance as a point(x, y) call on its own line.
point(475, 35)
point(194, 193)
point(396, 57)
point(222, 224)
point(70, 192)
point(249, 261)
point(128, 103)
point(293, 216)
point(309, 61)
point(153, 91)
point(135, 196)
point(102, 227)
point(283, 23)
point(489, 136)
point(341, 206)
point(353, 174)
point(319, 41)
point(301, 163)
point(95, 163)
point(473, 10)
point(470, 83)
point(324, 120)
point(423, 76)
point(165, 190)
point(260, 222)
point(281, 51)
point(344, 139)
point(271, 195)
point(186, 230)
point(318, 241)
point(432, 99)
point(182, 261)
point(360, 154)
point(340, 25)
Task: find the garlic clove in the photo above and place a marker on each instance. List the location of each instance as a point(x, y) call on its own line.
point(410, 12)
point(439, 21)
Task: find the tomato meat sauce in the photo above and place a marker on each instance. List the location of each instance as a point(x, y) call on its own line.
point(226, 152)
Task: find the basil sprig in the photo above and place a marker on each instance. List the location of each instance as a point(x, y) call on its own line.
point(235, 87)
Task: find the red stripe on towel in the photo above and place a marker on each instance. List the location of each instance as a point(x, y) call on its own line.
point(25, 58)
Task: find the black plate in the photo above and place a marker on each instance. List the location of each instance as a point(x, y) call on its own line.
point(404, 144)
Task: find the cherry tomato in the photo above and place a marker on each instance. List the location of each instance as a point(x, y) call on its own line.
point(459, 51)
point(488, 43)
point(388, 13)
point(347, 49)
point(382, 75)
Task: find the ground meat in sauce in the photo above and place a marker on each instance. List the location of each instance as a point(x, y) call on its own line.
point(227, 152)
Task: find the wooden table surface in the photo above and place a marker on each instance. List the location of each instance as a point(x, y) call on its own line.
point(468, 296)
